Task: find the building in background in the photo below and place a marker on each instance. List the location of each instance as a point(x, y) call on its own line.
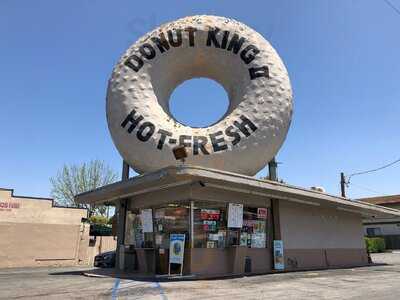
point(34, 232)
point(388, 228)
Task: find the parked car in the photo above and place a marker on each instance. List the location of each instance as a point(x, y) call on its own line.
point(105, 260)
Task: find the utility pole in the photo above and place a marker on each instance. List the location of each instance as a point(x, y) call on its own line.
point(343, 184)
point(272, 166)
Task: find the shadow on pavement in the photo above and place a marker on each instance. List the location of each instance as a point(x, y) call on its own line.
point(112, 273)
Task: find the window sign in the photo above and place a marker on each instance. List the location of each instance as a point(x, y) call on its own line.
point(147, 220)
point(279, 263)
point(209, 226)
point(261, 213)
point(210, 214)
point(258, 240)
point(235, 215)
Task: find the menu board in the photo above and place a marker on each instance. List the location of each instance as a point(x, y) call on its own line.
point(235, 215)
point(146, 217)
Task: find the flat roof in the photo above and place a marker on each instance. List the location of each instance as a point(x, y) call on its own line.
point(392, 199)
point(174, 176)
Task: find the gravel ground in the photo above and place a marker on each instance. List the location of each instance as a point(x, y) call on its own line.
point(376, 282)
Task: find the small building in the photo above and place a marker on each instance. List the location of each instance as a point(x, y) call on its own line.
point(388, 227)
point(34, 232)
point(230, 223)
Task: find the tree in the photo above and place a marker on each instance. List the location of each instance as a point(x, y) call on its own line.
point(76, 179)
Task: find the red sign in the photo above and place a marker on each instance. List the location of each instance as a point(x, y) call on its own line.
point(261, 213)
point(7, 206)
point(210, 214)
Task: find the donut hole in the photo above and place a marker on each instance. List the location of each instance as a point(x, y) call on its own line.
point(178, 66)
point(198, 102)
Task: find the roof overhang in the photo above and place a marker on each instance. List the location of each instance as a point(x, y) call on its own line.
point(171, 177)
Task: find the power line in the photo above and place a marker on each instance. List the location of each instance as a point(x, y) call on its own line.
point(367, 189)
point(392, 6)
point(373, 170)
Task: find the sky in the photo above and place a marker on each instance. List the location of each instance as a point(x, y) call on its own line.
point(343, 59)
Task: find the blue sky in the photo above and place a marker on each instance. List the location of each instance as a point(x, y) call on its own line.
point(342, 57)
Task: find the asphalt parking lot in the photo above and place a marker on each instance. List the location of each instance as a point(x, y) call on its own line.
point(375, 282)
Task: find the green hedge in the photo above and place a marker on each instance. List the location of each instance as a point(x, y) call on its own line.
point(97, 219)
point(375, 245)
point(100, 230)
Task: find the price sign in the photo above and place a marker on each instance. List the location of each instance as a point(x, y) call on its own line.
point(235, 215)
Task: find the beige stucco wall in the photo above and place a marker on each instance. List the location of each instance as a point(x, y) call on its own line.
point(196, 193)
point(102, 244)
point(305, 226)
point(38, 210)
point(320, 237)
point(34, 233)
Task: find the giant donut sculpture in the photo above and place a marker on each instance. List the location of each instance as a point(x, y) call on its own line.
point(252, 130)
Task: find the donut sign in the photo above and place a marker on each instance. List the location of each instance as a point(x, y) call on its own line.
point(252, 130)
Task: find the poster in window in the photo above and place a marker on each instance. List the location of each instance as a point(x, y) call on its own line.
point(243, 239)
point(258, 240)
point(235, 215)
point(261, 213)
point(209, 226)
point(146, 217)
point(210, 214)
point(211, 244)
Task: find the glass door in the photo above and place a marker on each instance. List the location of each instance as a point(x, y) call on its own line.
point(172, 218)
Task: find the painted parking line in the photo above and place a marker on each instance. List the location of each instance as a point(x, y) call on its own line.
point(128, 284)
point(114, 293)
point(161, 290)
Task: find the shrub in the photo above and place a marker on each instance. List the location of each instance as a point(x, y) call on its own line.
point(375, 245)
point(97, 219)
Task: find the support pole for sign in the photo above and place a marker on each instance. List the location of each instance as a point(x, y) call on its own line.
point(274, 209)
point(121, 208)
point(272, 166)
point(125, 171)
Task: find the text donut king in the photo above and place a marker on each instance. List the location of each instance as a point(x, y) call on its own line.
point(200, 144)
point(173, 38)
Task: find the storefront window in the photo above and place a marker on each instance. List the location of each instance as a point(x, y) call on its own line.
point(210, 230)
point(173, 218)
point(253, 233)
point(134, 235)
point(209, 225)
